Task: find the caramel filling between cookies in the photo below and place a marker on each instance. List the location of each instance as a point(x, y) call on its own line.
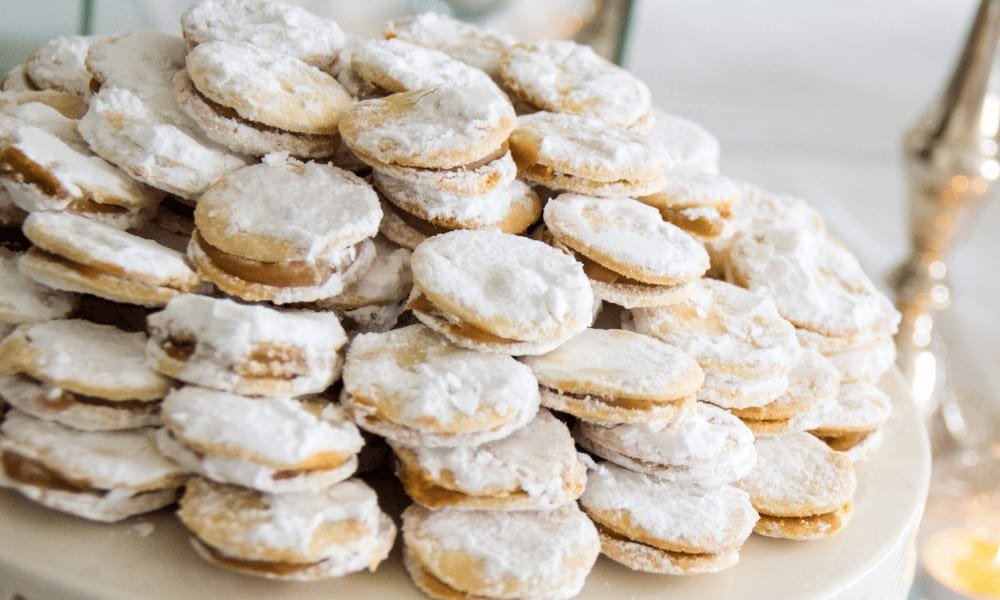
point(290, 273)
point(610, 533)
point(702, 226)
point(423, 227)
point(66, 400)
point(262, 566)
point(546, 173)
point(87, 271)
point(626, 403)
point(16, 165)
point(33, 472)
point(227, 112)
point(420, 303)
point(265, 361)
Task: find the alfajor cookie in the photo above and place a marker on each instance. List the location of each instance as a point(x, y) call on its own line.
point(81, 374)
point(22, 300)
point(658, 526)
point(845, 420)
point(294, 537)
point(534, 468)
point(285, 231)
point(59, 64)
point(278, 444)
point(415, 388)
point(101, 476)
point(413, 212)
point(453, 554)
point(801, 488)
point(705, 446)
point(68, 105)
point(80, 255)
point(632, 257)
point(450, 137)
point(586, 155)
point(616, 376)
point(686, 143)
point(247, 349)
point(394, 65)
point(477, 46)
point(277, 27)
point(233, 85)
point(738, 338)
point(562, 76)
point(498, 292)
point(698, 202)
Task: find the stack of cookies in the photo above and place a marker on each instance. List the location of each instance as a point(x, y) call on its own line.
point(468, 207)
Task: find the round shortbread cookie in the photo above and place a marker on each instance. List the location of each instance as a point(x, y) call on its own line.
point(22, 300)
point(51, 403)
point(59, 64)
point(103, 476)
point(812, 380)
point(507, 286)
point(503, 554)
point(586, 155)
point(415, 388)
point(224, 126)
point(245, 349)
point(858, 407)
point(481, 178)
point(474, 45)
point(77, 254)
point(276, 27)
point(274, 90)
point(618, 364)
point(671, 516)
point(726, 329)
point(83, 358)
point(797, 475)
point(685, 142)
point(124, 130)
point(395, 65)
point(301, 535)
point(642, 557)
point(440, 128)
point(867, 362)
point(511, 208)
point(627, 237)
point(534, 468)
point(805, 528)
point(566, 77)
point(705, 446)
point(387, 282)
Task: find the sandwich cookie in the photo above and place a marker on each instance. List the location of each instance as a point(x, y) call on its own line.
point(247, 349)
point(738, 338)
point(657, 526)
point(854, 415)
point(414, 388)
point(80, 255)
point(499, 293)
point(477, 46)
point(68, 105)
point(586, 155)
point(285, 231)
point(452, 138)
point(394, 65)
point(534, 468)
point(451, 554)
point(81, 374)
point(698, 202)
point(413, 213)
point(685, 142)
point(375, 302)
point(274, 445)
point(632, 257)
point(22, 300)
point(812, 381)
point(613, 376)
point(293, 537)
point(102, 476)
point(802, 489)
point(705, 446)
point(276, 27)
point(562, 76)
point(60, 64)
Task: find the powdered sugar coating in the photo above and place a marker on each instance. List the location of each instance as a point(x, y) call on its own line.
point(274, 26)
point(858, 406)
point(617, 363)
point(564, 76)
point(91, 243)
point(866, 361)
point(511, 286)
point(626, 236)
point(688, 187)
point(812, 379)
point(59, 64)
point(477, 46)
point(42, 116)
point(81, 356)
point(398, 66)
point(22, 300)
point(428, 380)
point(107, 460)
point(387, 281)
point(685, 142)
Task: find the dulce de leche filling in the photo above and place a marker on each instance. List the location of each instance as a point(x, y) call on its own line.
point(62, 400)
point(16, 165)
point(420, 303)
point(628, 403)
point(289, 273)
point(33, 472)
point(263, 566)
